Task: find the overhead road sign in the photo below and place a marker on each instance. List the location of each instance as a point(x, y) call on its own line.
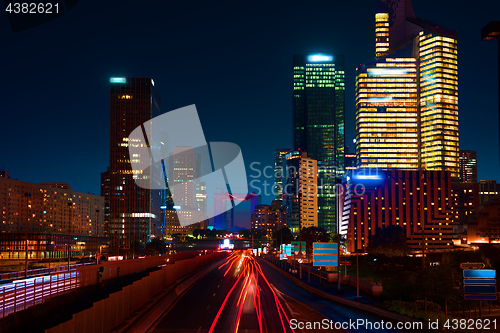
point(325, 254)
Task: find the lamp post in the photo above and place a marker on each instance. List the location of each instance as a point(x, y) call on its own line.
point(489, 32)
point(97, 234)
point(70, 206)
point(338, 181)
point(27, 196)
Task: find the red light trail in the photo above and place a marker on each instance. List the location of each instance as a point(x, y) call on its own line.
point(250, 281)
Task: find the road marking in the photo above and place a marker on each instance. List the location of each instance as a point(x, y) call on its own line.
point(199, 329)
point(208, 306)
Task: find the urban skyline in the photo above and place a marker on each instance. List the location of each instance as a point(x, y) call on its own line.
point(471, 64)
point(284, 166)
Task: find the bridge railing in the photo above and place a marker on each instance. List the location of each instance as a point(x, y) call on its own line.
point(18, 295)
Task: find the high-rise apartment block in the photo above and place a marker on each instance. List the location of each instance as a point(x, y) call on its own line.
point(269, 218)
point(318, 111)
point(407, 98)
point(53, 216)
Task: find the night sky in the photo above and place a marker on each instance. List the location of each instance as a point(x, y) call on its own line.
point(232, 59)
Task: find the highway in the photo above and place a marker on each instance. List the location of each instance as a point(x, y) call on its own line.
point(247, 295)
point(236, 297)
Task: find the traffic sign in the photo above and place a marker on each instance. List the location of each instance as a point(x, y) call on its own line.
point(480, 284)
point(480, 273)
point(480, 281)
point(480, 297)
point(325, 254)
point(472, 265)
point(287, 249)
point(299, 246)
point(479, 289)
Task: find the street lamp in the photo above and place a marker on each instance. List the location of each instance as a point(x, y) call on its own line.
point(97, 234)
point(27, 196)
point(489, 32)
point(70, 205)
point(338, 182)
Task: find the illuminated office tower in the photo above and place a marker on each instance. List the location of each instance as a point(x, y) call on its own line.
point(381, 33)
point(182, 173)
point(300, 190)
point(407, 98)
point(439, 100)
point(134, 212)
point(318, 106)
point(387, 114)
point(279, 155)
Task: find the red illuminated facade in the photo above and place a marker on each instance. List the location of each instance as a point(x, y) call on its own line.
point(418, 201)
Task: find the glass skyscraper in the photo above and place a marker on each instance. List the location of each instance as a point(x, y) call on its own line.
point(318, 109)
point(279, 156)
point(407, 98)
point(134, 212)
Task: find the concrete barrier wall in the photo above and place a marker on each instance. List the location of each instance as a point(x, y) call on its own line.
point(367, 287)
point(109, 313)
point(112, 269)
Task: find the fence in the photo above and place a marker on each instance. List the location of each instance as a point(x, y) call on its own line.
point(109, 313)
point(19, 295)
point(40, 271)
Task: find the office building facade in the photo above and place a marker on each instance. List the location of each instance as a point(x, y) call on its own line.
point(407, 98)
point(488, 190)
point(466, 205)
point(279, 155)
point(300, 192)
point(418, 201)
point(269, 218)
point(486, 225)
point(468, 166)
point(318, 123)
point(54, 218)
point(134, 212)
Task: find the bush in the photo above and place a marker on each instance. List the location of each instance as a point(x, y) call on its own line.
point(416, 309)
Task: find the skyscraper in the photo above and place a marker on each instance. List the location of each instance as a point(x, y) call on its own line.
point(468, 166)
point(407, 98)
point(300, 191)
point(184, 169)
point(279, 155)
point(318, 109)
point(134, 212)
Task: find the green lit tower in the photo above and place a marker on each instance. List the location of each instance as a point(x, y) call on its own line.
point(318, 126)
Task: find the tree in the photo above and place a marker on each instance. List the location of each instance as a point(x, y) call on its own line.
point(282, 236)
point(196, 233)
point(247, 234)
point(390, 241)
point(155, 246)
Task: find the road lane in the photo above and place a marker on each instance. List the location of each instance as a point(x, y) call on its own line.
point(237, 297)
